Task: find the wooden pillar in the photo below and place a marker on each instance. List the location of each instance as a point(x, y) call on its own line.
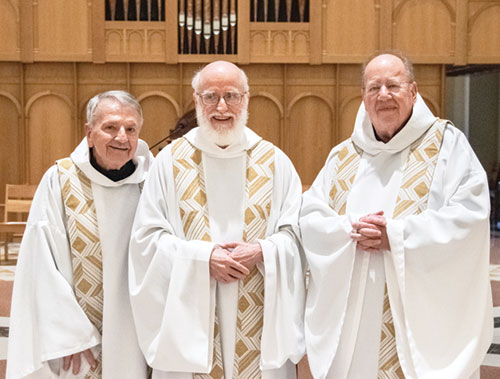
point(27, 32)
point(171, 31)
point(461, 32)
point(98, 33)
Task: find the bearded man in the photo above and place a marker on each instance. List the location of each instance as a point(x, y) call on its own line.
point(396, 232)
point(215, 230)
point(71, 314)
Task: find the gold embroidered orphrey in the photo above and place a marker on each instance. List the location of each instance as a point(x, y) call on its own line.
point(191, 191)
point(86, 251)
point(412, 199)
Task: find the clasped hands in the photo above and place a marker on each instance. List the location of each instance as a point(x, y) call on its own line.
point(233, 261)
point(370, 232)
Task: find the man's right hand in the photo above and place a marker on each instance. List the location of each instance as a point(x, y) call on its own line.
point(225, 269)
point(77, 361)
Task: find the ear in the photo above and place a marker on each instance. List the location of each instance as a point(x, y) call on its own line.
point(414, 91)
point(88, 133)
point(195, 99)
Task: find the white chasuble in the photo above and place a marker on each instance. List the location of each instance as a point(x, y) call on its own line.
point(190, 186)
point(176, 302)
point(47, 321)
point(433, 250)
point(412, 199)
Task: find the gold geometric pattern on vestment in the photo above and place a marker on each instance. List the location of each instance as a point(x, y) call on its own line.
point(346, 169)
point(412, 199)
point(86, 252)
point(188, 172)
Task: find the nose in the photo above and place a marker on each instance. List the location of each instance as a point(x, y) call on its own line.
point(383, 92)
point(121, 136)
point(221, 105)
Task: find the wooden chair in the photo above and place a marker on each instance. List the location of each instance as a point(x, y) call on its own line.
point(18, 198)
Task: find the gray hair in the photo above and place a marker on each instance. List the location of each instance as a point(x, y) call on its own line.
point(122, 97)
point(195, 83)
point(398, 54)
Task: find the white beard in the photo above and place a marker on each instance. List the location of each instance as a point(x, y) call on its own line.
point(222, 136)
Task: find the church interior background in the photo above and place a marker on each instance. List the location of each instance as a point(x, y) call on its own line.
point(302, 58)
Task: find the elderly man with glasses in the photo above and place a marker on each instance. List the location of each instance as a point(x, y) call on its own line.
point(216, 277)
point(396, 233)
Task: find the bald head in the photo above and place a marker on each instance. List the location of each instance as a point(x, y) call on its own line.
point(220, 70)
point(408, 66)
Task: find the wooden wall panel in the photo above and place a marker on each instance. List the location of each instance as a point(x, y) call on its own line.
point(160, 115)
point(10, 154)
point(348, 110)
point(9, 30)
point(338, 31)
point(303, 109)
point(426, 28)
point(484, 33)
point(428, 78)
point(349, 29)
point(62, 29)
point(50, 134)
point(310, 132)
point(265, 117)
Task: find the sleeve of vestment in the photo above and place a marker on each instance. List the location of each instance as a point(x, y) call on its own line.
point(46, 320)
point(283, 330)
point(172, 294)
point(330, 254)
point(441, 260)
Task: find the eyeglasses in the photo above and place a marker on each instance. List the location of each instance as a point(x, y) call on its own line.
point(392, 87)
point(230, 98)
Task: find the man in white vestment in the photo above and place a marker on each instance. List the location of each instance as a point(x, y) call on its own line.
point(215, 229)
point(71, 314)
point(396, 233)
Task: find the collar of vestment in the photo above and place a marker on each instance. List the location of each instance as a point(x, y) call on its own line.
point(115, 175)
point(364, 137)
point(247, 142)
point(142, 161)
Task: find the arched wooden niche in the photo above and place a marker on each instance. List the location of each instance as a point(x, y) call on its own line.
point(416, 24)
point(309, 134)
point(160, 112)
point(10, 154)
point(265, 115)
point(50, 132)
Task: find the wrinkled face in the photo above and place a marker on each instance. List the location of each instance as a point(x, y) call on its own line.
point(388, 95)
point(114, 134)
point(222, 81)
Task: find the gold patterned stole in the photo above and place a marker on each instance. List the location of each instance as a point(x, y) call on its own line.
point(412, 199)
point(86, 252)
point(191, 192)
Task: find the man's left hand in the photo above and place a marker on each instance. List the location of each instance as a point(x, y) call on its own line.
point(370, 232)
point(248, 254)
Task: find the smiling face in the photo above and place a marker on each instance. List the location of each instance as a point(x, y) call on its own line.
point(113, 134)
point(223, 121)
point(388, 95)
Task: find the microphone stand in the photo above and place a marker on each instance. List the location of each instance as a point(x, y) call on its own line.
point(162, 140)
